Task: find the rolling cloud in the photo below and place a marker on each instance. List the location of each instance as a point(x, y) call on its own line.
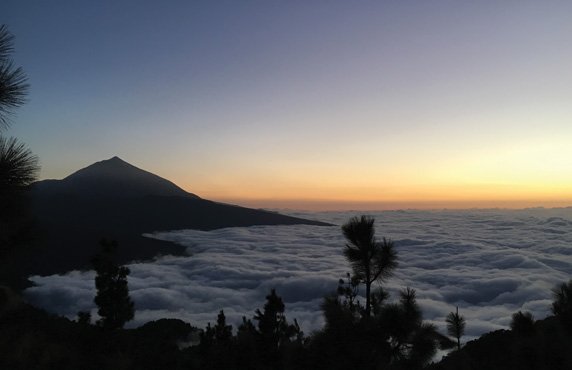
point(490, 263)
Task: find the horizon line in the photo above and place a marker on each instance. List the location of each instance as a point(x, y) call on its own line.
point(350, 205)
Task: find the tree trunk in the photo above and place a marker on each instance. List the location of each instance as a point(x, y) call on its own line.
point(367, 298)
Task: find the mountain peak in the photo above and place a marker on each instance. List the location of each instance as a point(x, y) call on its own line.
point(114, 178)
point(112, 167)
point(114, 159)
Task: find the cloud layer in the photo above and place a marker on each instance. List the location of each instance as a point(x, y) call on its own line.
point(490, 263)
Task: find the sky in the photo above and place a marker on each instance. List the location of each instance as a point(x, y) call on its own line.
point(306, 104)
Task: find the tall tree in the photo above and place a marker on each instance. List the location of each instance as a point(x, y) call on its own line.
point(13, 85)
point(18, 166)
point(271, 321)
point(222, 331)
point(217, 346)
point(274, 332)
point(371, 260)
point(114, 304)
point(412, 342)
point(456, 326)
point(562, 305)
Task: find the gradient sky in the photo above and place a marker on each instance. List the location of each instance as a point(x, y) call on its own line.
point(307, 104)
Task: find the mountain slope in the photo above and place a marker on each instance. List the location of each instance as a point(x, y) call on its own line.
point(111, 178)
point(115, 200)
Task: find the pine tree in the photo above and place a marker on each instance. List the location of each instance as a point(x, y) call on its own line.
point(114, 304)
point(271, 321)
point(562, 305)
point(456, 326)
point(18, 166)
point(371, 260)
point(222, 331)
point(13, 81)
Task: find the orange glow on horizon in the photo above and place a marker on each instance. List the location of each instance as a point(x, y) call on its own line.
point(518, 174)
point(405, 197)
point(324, 205)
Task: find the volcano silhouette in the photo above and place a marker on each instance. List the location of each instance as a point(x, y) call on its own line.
point(115, 200)
point(112, 178)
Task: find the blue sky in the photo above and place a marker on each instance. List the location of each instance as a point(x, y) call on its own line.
point(329, 101)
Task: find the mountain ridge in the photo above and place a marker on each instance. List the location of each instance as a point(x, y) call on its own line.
point(112, 177)
point(113, 199)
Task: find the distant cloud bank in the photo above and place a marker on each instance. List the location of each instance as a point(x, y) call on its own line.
point(490, 263)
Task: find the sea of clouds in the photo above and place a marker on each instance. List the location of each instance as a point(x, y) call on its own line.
point(489, 263)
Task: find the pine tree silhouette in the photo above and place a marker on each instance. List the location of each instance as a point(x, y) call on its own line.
point(114, 304)
point(456, 326)
point(371, 260)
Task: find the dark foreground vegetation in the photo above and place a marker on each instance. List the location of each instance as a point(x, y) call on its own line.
point(30, 338)
point(380, 334)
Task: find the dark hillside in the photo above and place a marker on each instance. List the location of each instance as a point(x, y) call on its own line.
point(34, 339)
point(548, 347)
point(115, 200)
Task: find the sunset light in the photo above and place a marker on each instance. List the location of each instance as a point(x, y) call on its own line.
point(383, 102)
point(285, 185)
